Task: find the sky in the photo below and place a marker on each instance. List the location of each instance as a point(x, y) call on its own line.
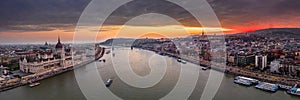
point(38, 21)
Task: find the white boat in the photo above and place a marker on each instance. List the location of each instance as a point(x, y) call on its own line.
point(34, 84)
point(294, 91)
point(179, 60)
point(246, 78)
point(108, 82)
point(182, 61)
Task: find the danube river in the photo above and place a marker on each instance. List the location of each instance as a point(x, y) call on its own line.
point(165, 70)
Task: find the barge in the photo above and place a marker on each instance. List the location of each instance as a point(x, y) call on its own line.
point(245, 81)
point(267, 86)
point(294, 91)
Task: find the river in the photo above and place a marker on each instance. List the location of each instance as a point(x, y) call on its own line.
point(163, 73)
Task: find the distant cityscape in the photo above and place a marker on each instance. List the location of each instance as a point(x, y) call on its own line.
point(271, 54)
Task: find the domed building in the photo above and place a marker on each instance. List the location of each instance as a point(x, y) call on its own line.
point(58, 46)
point(46, 59)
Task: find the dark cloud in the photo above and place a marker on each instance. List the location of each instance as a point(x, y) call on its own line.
point(37, 15)
point(243, 12)
point(17, 13)
point(140, 7)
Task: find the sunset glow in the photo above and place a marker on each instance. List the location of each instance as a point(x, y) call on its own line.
point(53, 19)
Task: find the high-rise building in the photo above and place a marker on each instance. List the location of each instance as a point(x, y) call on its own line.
point(244, 59)
point(261, 61)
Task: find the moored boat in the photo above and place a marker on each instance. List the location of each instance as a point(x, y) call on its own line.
point(242, 82)
point(294, 91)
point(253, 81)
point(160, 53)
point(180, 60)
point(267, 86)
point(34, 84)
point(285, 87)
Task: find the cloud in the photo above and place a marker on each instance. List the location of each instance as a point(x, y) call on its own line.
point(140, 7)
point(22, 14)
point(47, 15)
point(255, 12)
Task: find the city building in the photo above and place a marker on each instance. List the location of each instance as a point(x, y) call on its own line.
point(244, 59)
point(261, 61)
point(274, 66)
point(46, 58)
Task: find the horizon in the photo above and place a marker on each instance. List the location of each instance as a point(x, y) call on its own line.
point(53, 42)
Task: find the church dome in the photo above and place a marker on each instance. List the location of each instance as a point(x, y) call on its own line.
point(58, 45)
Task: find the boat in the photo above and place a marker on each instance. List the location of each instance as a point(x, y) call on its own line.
point(34, 84)
point(204, 68)
point(267, 86)
point(285, 87)
point(180, 60)
point(254, 81)
point(108, 82)
point(243, 82)
point(160, 53)
point(294, 91)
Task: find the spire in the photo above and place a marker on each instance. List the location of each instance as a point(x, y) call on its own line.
point(58, 45)
point(58, 38)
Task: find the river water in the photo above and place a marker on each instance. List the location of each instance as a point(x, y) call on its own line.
point(164, 74)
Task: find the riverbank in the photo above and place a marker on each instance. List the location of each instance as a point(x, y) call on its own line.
point(31, 78)
point(25, 80)
point(265, 77)
point(45, 75)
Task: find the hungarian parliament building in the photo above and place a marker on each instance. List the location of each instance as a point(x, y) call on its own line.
point(47, 58)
